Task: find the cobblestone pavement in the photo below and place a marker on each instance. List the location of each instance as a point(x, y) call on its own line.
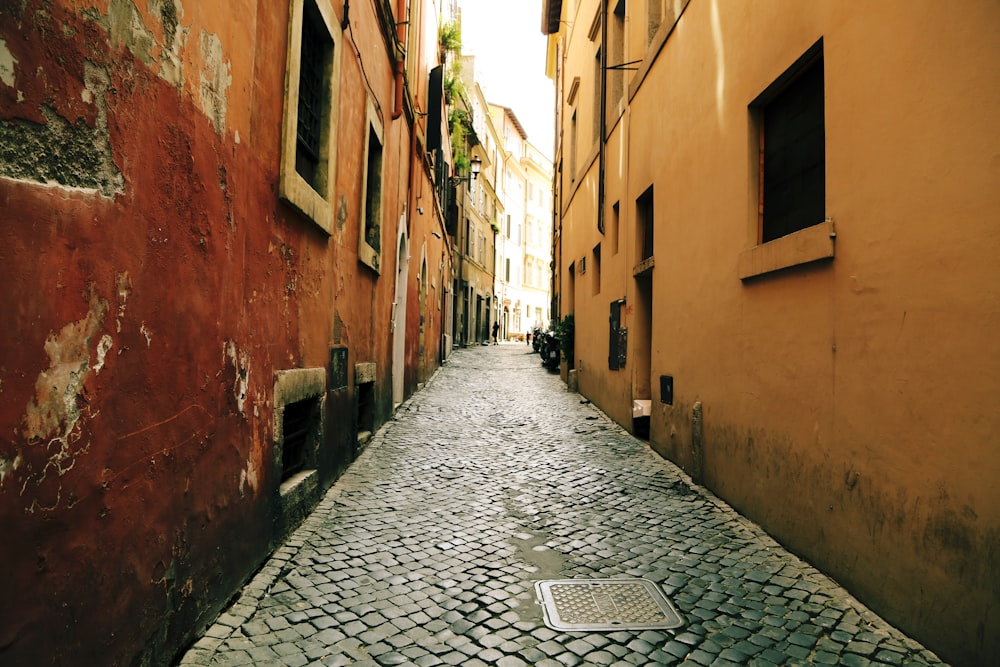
point(493, 477)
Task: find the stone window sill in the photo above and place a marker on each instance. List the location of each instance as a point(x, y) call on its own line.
point(643, 268)
point(807, 245)
point(308, 202)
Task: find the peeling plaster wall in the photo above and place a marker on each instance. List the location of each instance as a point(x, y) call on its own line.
point(54, 417)
point(155, 286)
point(57, 151)
point(215, 80)
point(150, 298)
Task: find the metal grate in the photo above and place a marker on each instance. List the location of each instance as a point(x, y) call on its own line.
point(605, 604)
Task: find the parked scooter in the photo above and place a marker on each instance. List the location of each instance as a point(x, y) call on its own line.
point(536, 338)
point(549, 349)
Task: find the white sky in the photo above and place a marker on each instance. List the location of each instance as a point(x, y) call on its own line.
point(506, 38)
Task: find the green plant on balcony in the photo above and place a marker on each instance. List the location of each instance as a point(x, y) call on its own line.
point(454, 87)
point(450, 38)
point(450, 44)
point(459, 124)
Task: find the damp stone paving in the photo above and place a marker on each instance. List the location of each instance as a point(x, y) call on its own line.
point(494, 477)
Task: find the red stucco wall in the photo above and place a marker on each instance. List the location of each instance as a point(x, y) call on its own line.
point(154, 283)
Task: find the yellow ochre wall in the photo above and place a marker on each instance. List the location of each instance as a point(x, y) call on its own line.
point(852, 405)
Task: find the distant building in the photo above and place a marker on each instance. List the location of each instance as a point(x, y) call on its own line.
point(499, 217)
point(777, 230)
point(475, 210)
point(524, 240)
point(537, 284)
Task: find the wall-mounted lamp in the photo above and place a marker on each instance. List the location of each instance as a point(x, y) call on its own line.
point(476, 164)
point(420, 210)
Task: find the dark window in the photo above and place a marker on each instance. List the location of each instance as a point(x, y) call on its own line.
point(366, 406)
point(570, 292)
point(597, 269)
point(373, 192)
point(446, 191)
point(298, 423)
point(793, 151)
point(572, 148)
point(314, 58)
point(613, 232)
point(644, 220)
point(451, 221)
point(435, 92)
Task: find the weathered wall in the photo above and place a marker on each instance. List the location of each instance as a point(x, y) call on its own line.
point(611, 390)
point(134, 386)
point(155, 284)
point(849, 405)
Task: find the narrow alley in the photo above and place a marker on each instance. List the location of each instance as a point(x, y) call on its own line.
point(494, 477)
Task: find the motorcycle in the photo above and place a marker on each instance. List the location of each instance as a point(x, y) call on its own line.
point(549, 349)
point(536, 338)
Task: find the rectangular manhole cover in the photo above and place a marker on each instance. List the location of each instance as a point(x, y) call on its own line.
point(606, 604)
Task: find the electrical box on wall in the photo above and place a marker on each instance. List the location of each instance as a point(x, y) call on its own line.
point(667, 389)
point(338, 368)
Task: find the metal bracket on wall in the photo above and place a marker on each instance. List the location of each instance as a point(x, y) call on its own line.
point(624, 66)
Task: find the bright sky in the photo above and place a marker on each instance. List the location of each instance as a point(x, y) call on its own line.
point(506, 38)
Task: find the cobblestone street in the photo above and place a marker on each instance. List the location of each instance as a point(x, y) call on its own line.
point(493, 477)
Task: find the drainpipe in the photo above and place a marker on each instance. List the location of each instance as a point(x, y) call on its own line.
point(603, 122)
point(397, 109)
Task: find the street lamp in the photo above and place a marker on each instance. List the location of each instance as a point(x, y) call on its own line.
point(476, 164)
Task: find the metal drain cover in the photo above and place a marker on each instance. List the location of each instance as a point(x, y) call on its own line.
point(606, 604)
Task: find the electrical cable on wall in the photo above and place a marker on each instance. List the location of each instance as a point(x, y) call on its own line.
point(346, 23)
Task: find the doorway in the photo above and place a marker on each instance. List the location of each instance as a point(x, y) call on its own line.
point(398, 323)
point(642, 352)
point(422, 336)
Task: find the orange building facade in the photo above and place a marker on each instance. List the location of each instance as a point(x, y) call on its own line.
point(776, 230)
